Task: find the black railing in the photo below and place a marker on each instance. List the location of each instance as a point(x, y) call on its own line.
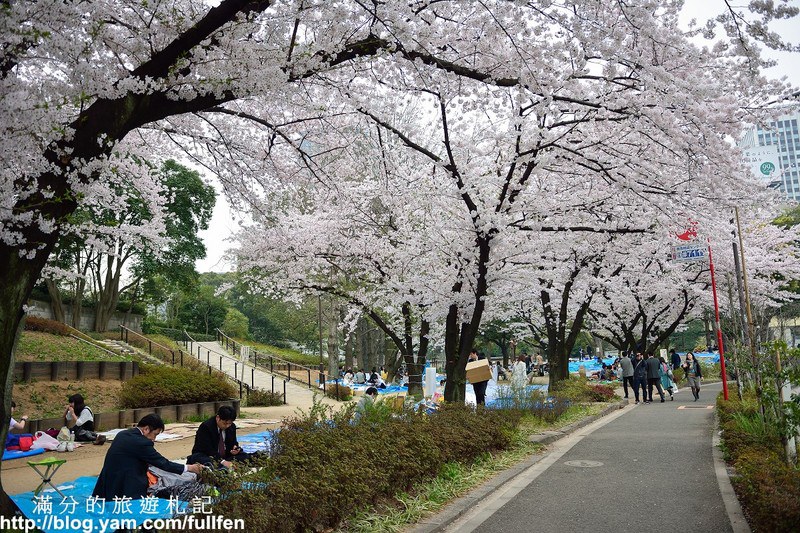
point(275, 364)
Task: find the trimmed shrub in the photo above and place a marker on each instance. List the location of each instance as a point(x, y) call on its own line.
point(264, 398)
point(317, 478)
point(769, 489)
point(161, 385)
point(342, 393)
point(579, 390)
point(54, 327)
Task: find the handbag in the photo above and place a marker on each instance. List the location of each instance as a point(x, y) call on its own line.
point(44, 441)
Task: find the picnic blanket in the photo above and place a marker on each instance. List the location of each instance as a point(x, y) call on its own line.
point(76, 514)
point(16, 454)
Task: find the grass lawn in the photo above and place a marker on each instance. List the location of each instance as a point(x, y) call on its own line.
point(39, 346)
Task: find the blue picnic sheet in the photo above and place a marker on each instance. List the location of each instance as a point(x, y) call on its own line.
point(16, 454)
point(76, 512)
point(257, 442)
point(591, 365)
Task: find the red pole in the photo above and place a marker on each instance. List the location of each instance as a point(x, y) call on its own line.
point(719, 330)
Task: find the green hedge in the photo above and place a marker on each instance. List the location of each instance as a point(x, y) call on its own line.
point(264, 398)
point(767, 487)
point(161, 385)
point(324, 470)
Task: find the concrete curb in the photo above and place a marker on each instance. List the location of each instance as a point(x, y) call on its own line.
point(456, 508)
point(732, 506)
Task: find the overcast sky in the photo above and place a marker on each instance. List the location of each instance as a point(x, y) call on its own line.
point(224, 221)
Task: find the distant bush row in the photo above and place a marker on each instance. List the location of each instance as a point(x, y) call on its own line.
point(54, 327)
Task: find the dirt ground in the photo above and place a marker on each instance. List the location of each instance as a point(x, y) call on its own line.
point(87, 460)
point(48, 399)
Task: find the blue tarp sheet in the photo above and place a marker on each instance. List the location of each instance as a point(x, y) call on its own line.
point(16, 454)
point(76, 512)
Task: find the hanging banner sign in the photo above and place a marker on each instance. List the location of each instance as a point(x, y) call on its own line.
point(687, 253)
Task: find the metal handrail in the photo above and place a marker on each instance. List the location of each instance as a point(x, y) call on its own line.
point(242, 384)
point(298, 365)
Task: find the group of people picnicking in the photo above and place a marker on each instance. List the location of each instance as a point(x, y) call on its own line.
point(376, 378)
point(78, 425)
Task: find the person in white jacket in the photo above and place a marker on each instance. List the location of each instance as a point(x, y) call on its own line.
point(519, 374)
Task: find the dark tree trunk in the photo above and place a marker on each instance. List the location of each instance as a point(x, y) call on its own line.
point(19, 275)
point(77, 303)
point(55, 301)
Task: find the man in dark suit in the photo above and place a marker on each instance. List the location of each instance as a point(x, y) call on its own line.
point(215, 441)
point(124, 471)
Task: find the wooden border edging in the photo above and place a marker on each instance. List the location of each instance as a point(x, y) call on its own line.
point(127, 417)
point(27, 371)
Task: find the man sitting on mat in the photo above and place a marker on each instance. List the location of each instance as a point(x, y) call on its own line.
point(215, 441)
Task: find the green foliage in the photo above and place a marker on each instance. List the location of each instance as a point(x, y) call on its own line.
point(340, 392)
point(235, 324)
point(203, 311)
point(576, 389)
point(264, 398)
point(313, 481)
point(768, 488)
point(53, 327)
point(161, 385)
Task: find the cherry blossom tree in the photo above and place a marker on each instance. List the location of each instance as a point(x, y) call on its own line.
point(610, 90)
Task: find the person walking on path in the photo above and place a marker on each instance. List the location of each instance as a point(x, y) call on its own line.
point(691, 369)
point(665, 374)
point(480, 387)
point(627, 372)
point(640, 378)
point(653, 377)
point(675, 359)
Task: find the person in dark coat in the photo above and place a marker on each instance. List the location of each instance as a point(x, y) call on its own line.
point(675, 359)
point(640, 378)
point(124, 470)
point(653, 377)
point(215, 441)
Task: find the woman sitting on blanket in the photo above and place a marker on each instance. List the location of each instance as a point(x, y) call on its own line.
point(80, 420)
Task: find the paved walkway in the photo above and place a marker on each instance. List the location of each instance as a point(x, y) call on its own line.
point(645, 468)
point(215, 355)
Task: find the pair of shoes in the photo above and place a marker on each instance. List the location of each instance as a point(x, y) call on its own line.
point(662, 400)
point(636, 402)
point(100, 440)
point(671, 398)
point(695, 399)
point(646, 402)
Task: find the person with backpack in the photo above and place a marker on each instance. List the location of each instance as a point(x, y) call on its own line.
point(78, 417)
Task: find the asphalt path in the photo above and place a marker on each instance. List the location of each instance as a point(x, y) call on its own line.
point(650, 468)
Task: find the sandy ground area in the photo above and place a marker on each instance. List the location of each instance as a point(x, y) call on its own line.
point(87, 460)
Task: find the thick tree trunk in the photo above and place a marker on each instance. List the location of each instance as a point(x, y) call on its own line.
point(77, 302)
point(55, 300)
point(18, 275)
point(333, 340)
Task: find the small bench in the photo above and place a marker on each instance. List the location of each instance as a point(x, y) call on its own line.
point(51, 466)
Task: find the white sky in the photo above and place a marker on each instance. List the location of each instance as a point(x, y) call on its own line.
point(224, 221)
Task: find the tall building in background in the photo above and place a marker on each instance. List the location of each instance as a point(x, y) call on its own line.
point(773, 152)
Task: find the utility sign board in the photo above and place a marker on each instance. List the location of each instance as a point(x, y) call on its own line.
point(688, 253)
